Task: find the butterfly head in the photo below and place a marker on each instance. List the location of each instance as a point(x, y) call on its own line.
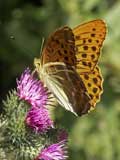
point(37, 64)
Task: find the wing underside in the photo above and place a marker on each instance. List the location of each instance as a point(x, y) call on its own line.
point(66, 85)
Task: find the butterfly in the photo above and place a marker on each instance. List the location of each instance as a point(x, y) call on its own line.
point(69, 65)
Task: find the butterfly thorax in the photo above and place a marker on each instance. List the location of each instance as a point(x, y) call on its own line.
point(45, 69)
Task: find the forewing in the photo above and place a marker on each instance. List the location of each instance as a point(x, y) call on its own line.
point(66, 85)
point(89, 38)
point(60, 47)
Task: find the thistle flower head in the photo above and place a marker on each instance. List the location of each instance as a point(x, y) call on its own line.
point(57, 151)
point(38, 119)
point(31, 90)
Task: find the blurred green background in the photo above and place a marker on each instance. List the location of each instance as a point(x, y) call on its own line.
point(23, 24)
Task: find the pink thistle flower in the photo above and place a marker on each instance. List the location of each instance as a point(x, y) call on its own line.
point(38, 119)
point(31, 89)
point(57, 151)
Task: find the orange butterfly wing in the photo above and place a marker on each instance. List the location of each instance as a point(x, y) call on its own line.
point(89, 38)
point(60, 47)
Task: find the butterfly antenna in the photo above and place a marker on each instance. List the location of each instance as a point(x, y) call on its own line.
point(42, 44)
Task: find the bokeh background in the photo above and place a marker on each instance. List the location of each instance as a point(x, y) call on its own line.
point(23, 24)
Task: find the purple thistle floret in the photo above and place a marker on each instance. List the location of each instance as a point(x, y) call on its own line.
point(38, 119)
point(57, 151)
point(31, 90)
